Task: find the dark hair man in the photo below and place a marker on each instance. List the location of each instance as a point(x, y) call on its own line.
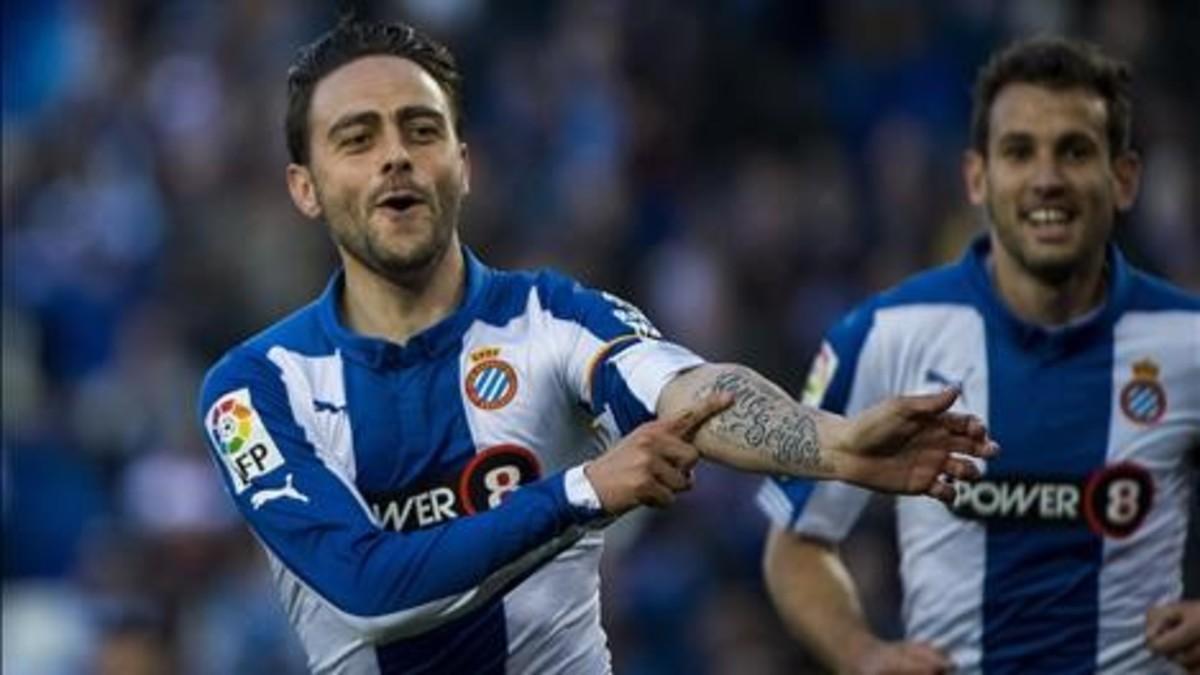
point(1066, 557)
point(428, 451)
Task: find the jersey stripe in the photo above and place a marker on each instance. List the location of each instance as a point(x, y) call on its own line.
point(1040, 593)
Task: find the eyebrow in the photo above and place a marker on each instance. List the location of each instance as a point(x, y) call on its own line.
point(418, 111)
point(365, 118)
point(1015, 136)
point(371, 118)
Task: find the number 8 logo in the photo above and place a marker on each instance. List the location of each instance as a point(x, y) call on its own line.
point(500, 481)
point(494, 474)
point(1118, 499)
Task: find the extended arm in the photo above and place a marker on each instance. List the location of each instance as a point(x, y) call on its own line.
point(903, 445)
point(304, 507)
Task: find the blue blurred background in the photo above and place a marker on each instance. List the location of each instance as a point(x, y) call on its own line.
point(744, 170)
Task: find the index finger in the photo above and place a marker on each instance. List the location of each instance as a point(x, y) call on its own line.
point(688, 422)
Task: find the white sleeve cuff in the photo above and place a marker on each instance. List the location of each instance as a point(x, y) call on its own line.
point(579, 489)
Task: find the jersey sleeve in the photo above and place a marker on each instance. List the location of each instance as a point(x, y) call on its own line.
point(316, 524)
point(840, 382)
point(614, 362)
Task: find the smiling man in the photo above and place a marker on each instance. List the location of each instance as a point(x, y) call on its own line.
point(1066, 557)
point(429, 450)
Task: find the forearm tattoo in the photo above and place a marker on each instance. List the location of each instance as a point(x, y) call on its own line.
point(766, 421)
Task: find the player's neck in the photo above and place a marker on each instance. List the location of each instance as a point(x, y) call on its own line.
point(376, 306)
point(1044, 303)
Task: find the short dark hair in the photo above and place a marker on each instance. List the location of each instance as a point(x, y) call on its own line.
point(1057, 63)
point(351, 40)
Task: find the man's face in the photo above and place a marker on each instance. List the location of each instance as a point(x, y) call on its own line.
point(386, 170)
point(1049, 182)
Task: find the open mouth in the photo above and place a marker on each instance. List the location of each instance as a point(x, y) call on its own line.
point(1049, 221)
point(400, 202)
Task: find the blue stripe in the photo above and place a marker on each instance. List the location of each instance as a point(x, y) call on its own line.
point(1050, 408)
point(485, 381)
point(798, 491)
point(476, 643)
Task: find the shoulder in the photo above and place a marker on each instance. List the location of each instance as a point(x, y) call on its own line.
point(562, 299)
point(1152, 294)
point(249, 363)
point(940, 288)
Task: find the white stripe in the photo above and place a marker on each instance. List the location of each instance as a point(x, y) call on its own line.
point(774, 503)
point(943, 557)
point(1146, 568)
point(649, 365)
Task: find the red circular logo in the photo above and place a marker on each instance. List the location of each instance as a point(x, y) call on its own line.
point(495, 473)
point(1117, 499)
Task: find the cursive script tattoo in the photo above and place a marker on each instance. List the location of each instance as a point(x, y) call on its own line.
point(763, 419)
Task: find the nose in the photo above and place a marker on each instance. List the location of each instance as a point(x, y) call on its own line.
point(396, 157)
point(1048, 178)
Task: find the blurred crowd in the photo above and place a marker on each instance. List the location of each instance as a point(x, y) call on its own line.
point(745, 170)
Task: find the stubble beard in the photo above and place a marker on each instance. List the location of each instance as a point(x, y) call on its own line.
point(1054, 271)
point(410, 268)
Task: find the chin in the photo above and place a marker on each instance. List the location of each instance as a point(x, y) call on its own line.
point(1053, 269)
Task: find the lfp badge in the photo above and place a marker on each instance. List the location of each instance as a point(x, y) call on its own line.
point(1143, 399)
point(491, 383)
point(241, 439)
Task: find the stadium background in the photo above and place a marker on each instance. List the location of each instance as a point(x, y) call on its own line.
point(745, 170)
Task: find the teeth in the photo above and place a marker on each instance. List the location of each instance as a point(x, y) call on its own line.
point(1048, 216)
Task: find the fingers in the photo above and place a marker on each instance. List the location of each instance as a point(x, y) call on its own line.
point(674, 478)
point(931, 404)
point(961, 469)
point(907, 658)
point(682, 455)
point(942, 489)
point(926, 658)
point(965, 435)
point(656, 495)
point(688, 422)
point(969, 426)
point(1173, 629)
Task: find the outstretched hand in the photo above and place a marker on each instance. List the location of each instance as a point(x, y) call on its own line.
point(914, 445)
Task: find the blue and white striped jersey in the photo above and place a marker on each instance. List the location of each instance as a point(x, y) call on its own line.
point(382, 479)
point(1049, 563)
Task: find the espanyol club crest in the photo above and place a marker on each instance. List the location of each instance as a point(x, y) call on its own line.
point(491, 383)
point(1143, 399)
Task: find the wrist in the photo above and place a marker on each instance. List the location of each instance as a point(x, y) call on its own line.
point(855, 651)
point(834, 434)
point(581, 493)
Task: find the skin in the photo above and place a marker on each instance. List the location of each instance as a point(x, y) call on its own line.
point(1047, 148)
point(381, 126)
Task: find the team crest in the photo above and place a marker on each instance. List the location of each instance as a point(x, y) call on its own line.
point(491, 384)
point(1143, 399)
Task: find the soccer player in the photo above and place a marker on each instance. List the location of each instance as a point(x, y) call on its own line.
point(1066, 556)
point(428, 451)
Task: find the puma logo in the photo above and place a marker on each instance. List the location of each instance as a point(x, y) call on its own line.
point(267, 494)
point(326, 406)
